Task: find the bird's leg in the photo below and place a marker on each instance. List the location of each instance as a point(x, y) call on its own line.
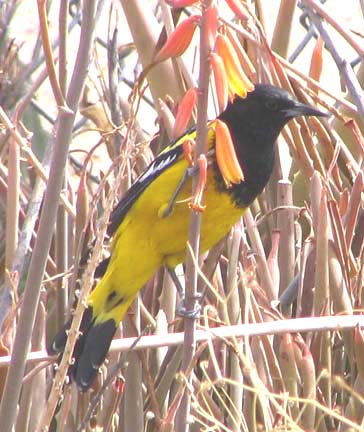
point(169, 208)
point(189, 172)
point(181, 309)
point(187, 146)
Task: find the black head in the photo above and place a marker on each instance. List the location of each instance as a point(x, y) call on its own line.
point(266, 110)
point(255, 123)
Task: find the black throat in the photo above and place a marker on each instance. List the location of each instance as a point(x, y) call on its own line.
point(254, 147)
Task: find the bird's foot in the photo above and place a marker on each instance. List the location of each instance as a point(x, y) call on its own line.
point(193, 313)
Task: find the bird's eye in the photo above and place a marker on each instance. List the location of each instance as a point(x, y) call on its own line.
point(271, 105)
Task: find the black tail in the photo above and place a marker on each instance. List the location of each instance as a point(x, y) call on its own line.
point(90, 350)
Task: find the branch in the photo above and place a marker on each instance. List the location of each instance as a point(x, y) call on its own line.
point(15, 375)
point(296, 325)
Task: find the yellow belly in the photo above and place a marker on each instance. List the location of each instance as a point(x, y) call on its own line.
point(167, 236)
point(145, 240)
point(218, 217)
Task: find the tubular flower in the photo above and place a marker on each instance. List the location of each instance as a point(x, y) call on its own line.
point(317, 60)
point(211, 17)
point(221, 82)
point(239, 83)
point(238, 8)
point(184, 112)
point(188, 148)
point(196, 203)
point(226, 156)
point(179, 40)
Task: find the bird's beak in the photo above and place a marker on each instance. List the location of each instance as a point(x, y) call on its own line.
point(300, 109)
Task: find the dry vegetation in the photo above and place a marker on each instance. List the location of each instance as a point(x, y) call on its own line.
point(297, 254)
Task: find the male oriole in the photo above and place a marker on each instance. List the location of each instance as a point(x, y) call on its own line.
point(146, 237)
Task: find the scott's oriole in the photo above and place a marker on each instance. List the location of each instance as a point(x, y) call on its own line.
point(146, 237)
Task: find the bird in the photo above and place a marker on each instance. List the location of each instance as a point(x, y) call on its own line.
point(146, 237)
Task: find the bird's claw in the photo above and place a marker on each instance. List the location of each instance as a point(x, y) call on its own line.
point(194, 313)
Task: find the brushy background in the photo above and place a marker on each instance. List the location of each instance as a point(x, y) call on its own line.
point(297, 253)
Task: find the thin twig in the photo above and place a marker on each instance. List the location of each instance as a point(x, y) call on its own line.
point(13, 204)
point(346, 34)
point(292, 69)
point(113, 70)
point(343, 65)
point(43, 21)
point(26, 148)
point(195, 219)
point(32, 289)
point(63, 36)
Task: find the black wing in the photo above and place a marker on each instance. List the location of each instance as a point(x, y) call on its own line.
point(163, 161)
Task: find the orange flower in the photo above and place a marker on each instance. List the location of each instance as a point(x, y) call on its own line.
point(226, 158)
point(221, 82)
point(196, 203)
point(188, 147)
point(317, 60)
point(211, 17)
point(239, 83)
point(239, 9)
point(184, 112)
point(179, 40)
